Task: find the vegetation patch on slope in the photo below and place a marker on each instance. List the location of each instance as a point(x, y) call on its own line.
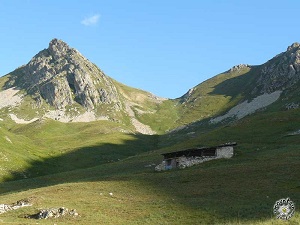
point(241, 190)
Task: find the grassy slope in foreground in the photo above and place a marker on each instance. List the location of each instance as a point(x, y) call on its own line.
point(241, 190)
point(54, 147)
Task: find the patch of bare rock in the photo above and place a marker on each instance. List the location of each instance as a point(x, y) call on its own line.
point(53, 213)
point(9, 97)
point(19, 204)
point(21, 121)
point(42, 213)
point(140, 127)
point(246, 108)
point(61, 116)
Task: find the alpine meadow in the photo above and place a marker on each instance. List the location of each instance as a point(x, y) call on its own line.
point(84, 146)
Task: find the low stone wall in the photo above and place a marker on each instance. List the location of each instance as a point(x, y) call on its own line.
point(184, 162)
point(161, 166)
point(225, 152)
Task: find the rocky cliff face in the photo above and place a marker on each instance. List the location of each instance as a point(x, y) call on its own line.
point(245, 89)
point(80, 92)
point(281, 72)
point(61, 76)
point(61, 84)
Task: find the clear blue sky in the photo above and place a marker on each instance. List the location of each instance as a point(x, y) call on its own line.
point(162, 46)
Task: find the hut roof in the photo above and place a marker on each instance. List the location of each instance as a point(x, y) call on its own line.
point(195, 151)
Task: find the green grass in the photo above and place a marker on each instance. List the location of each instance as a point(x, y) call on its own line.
point(215, 95)
point(76, 165)
point(208, 99)
point(164, 118)
point(68, 146)
point(241, 190)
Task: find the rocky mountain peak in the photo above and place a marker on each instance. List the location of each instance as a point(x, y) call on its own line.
point(61, 84)
point(293, 46)
point(238, 67)
point(281, 72)
point(58, 48)
point(61, 76)
point(58, 42)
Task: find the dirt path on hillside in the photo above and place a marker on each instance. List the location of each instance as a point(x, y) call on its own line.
point(21, 121)
point(140, 127)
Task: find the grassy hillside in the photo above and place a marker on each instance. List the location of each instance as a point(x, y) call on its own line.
point(77, 165)
point(17, 152)
point(241, 190)
point(69, 146)
point(208, 99)
point(160, 114)
point(216, 95)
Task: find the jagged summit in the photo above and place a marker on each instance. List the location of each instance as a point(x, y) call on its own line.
point(61, 84)
point(62, 76)
point(293, 46)
point(58, 48)
point(282, 71)
point(238, 67)
point(58, 42)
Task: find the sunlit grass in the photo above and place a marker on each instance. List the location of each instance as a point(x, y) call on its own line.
point(77, 165)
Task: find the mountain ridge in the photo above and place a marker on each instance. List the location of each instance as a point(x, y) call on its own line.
point(61, 84)
point(245, 82)
point(105, 168)
point(58, 72)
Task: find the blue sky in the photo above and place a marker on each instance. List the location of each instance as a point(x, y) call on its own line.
point(161, 46)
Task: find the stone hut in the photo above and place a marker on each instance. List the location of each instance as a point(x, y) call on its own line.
point(189, 157)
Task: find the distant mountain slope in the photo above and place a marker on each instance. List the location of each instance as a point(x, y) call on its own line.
point(245, 89)
point(61, 84)
point(107, 165)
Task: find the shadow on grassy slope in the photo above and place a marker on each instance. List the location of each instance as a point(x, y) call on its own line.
point(238, 85)
point(88, 156)
point(243, 188)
